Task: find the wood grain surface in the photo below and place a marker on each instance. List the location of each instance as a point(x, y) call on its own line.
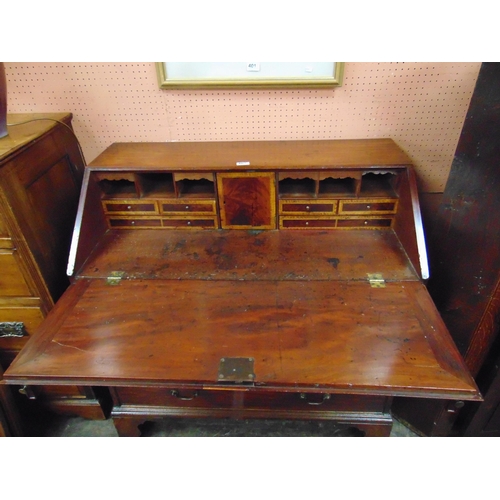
point(345, 337)
point(250, 255)
point(244, 155)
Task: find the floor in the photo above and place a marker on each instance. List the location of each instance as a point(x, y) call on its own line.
point(178, 427)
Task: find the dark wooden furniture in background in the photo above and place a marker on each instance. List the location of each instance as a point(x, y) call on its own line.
point(248, 279)
point(483, 420)
point(41, 171)
point(10, 419)
point(464, 251)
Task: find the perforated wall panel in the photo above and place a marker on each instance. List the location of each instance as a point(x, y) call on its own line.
point(421, 106)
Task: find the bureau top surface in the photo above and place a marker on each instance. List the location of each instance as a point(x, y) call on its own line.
point(252, 155)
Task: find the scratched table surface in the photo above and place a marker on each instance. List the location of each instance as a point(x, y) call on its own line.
point(250, 255)
point(299, 304)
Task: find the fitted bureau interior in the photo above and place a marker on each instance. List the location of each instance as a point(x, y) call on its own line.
point(189, 200)
point(122, 185)
point(182, 193)
point(337, 201)
point(290, 184)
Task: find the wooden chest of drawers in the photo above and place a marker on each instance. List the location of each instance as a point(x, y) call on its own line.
point(249, 280)
point(35, 226)
point(41, 171)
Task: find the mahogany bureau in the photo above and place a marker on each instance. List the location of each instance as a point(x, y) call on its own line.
point(249, 280)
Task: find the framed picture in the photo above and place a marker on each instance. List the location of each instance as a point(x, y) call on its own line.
point(249, 74)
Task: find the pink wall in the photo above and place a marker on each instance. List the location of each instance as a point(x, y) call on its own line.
point(421, 106)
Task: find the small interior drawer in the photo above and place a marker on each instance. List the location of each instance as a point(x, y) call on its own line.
point(365, 223)
point(205, 207)
point(308, 206)
point(181, 223)
point(367, 206)
point(126, 223)
point(303, 223)
point(130, 206)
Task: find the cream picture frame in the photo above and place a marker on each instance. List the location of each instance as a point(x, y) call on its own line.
point(249, 75)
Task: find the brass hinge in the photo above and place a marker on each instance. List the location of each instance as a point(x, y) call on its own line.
point(376, 280)
point(115, 277)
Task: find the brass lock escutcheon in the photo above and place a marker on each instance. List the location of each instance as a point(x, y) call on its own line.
point(236, 370)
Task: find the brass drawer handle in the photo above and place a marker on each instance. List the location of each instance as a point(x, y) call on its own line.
point(27, 391)
point(12, 329)
point(176, 394)
point(315, 403)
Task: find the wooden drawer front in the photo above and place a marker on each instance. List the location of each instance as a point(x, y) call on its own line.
point(205, 223)
point(361, 223)
point(124, 223)
point(245, 400)
point(203, 208)
point(157, 222)
point(68, 400)
point(368, 207)
point(306, 207)
point(132, 206)
point(12, 282)
point(6, 243)
point(60, 391)
point(30, 317)
point(289, 223)
point(3, 230)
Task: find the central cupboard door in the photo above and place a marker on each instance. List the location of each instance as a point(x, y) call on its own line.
point(247, 200)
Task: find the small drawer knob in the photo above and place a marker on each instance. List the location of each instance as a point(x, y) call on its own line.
point(129, 207)
point(189, 223)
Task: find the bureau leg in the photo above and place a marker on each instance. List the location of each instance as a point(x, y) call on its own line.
point(375, 430)
point(128, 427)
